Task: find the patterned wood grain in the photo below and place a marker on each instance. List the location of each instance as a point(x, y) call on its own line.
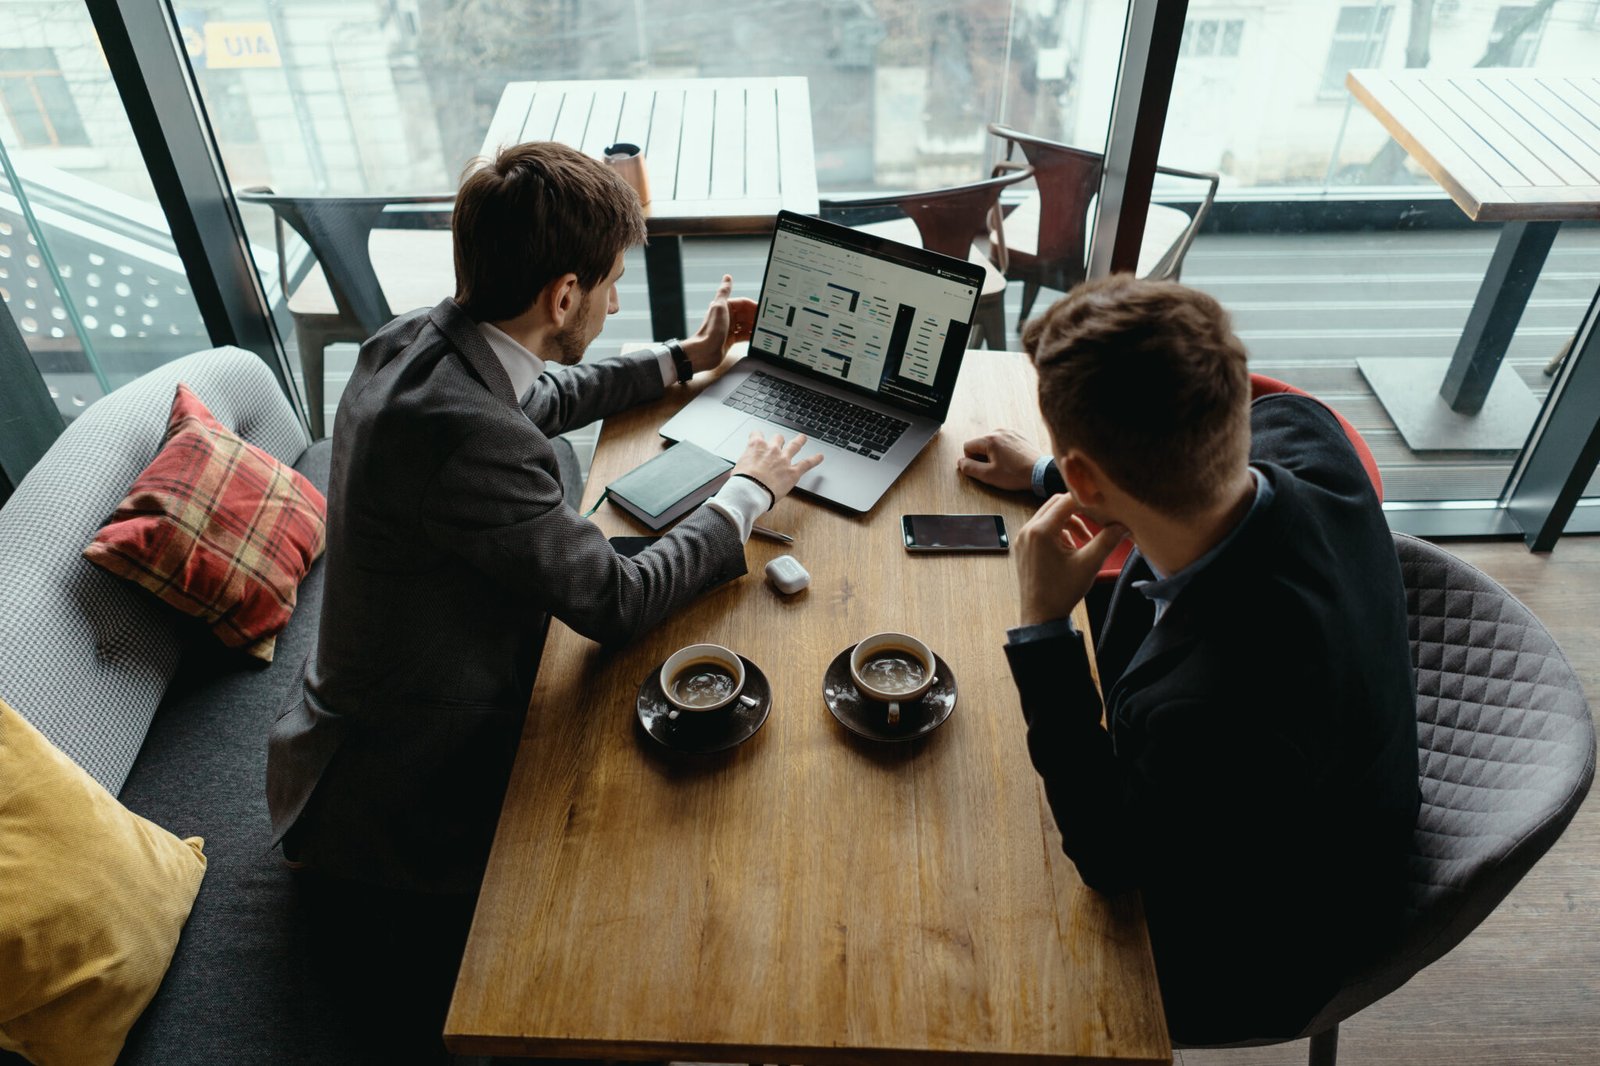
point(1507, 145)
point(808, 897)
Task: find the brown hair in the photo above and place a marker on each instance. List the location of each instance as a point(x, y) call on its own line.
point(537, 211)
point(1149, 380)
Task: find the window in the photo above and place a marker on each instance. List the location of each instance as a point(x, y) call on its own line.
point(1512, 18)
point(1358, 40)
point(35, 97)
point(1211, 37)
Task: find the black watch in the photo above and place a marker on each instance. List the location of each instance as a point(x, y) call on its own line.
point(680, 359)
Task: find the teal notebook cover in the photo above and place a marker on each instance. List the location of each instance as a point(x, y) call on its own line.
point(660, 489)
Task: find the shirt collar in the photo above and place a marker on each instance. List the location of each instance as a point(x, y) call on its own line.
point(521, 365)
point(1165, 589)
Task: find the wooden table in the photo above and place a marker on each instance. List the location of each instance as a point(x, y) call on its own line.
point(807, 897)
point(723, 156)
point(1520, 147)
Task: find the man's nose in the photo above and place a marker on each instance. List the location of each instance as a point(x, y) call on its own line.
point(615, 305)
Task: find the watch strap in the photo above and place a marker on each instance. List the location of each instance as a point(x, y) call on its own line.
point(680, 359)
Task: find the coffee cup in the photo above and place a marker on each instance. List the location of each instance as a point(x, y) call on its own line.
point(892, 668)
point(628, 161)
point(702, 678)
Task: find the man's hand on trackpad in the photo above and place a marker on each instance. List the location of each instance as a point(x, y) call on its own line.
point(773, 463)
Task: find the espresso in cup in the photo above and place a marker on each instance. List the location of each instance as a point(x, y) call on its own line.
point(896, 670)
point(704, 683)
point(701, 677)
point(892, 668)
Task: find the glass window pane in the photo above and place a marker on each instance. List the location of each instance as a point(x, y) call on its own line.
point(1232, 34)
point(88, 270)
point(1206, 38)
point(380, 98)
point(1336, 251)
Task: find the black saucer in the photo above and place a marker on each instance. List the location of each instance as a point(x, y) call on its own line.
point(869, 718)
point(700, 732)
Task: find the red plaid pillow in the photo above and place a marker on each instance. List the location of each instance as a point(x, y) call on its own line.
point(218, 529)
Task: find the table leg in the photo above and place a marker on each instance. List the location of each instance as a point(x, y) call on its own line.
point(1550, 477)
point(1518, 257)
point(663, 268)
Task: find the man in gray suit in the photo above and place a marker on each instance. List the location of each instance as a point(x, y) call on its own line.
point(450, 542)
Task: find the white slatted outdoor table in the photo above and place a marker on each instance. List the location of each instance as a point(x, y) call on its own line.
point(723, 156)
point(1520, 147)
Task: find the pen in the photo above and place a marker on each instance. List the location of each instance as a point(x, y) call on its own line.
point(772, 534)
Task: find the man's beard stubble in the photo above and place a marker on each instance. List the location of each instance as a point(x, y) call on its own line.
point(569, 341)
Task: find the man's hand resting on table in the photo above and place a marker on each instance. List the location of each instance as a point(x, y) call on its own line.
point(728, 321)
point(1003, 458)
point(772, 464)
point(1057, 559)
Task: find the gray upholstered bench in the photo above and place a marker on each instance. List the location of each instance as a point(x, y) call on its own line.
point(161, 715)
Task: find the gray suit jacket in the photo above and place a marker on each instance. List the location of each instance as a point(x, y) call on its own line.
point(449, 546)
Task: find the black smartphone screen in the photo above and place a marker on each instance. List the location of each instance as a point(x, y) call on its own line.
point(955, 532)
point(632, 545)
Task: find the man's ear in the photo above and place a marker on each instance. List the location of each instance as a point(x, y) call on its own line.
point(1084, 478)
point(560, 298)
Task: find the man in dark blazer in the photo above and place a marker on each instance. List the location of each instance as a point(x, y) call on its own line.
point(1255, 776)
point(450, 541)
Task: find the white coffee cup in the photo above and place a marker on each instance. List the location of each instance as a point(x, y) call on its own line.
point(717, 683)
point(876, 678)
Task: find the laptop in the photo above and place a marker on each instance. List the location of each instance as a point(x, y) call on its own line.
point(857, 343)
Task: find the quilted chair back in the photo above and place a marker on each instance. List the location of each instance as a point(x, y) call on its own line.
point(1507, 753)
point(85, 656)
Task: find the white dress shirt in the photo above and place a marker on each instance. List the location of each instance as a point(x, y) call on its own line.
point(741, 501)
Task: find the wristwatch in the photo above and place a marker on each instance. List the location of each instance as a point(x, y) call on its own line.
point(680, 359)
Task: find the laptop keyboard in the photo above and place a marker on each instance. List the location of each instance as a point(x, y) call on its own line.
point(828, 418)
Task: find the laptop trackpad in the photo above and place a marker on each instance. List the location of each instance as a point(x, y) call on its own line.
point(734, 444)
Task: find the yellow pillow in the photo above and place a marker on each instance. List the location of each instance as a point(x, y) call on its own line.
point(92, 899)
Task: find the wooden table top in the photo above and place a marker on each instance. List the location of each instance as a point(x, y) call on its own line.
point(723, 154)
point(808, 896)
point(1507, 145)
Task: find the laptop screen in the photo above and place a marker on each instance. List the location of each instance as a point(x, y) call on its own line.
point(878, 316)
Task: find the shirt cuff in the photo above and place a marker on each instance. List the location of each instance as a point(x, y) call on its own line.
point(741, 501)
point(1039, 469)
point(1060, 627)
point(669, 369)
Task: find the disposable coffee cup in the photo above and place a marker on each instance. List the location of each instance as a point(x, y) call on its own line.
point(892, 668)
point(702, 678)
point(628, 161)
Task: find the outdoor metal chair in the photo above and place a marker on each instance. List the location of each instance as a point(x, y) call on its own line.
point(1047, 235)
point(962, 221)
point(342, 298)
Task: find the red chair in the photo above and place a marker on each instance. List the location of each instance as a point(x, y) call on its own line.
point(1260, 385)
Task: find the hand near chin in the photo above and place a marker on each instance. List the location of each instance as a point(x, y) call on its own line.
point(1058, 558)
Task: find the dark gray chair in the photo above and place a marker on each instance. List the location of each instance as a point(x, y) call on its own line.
point(1507, 753)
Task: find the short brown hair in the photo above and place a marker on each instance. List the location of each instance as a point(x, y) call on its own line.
point(537, 211)
point(1149, 380)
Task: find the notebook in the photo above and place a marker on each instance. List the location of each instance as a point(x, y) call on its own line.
point(668, 486)
point(858, 341)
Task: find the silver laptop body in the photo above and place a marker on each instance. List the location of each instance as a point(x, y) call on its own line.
point(844, 316)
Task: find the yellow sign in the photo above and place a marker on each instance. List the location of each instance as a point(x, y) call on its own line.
point(241, 44)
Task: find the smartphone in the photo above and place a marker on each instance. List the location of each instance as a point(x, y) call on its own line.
point(954, 533)
point(632, 545)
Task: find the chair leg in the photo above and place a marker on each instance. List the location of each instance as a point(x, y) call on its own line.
point(311, 343)
point(1325, 1048)
point(991, 323)
point(1030, 293)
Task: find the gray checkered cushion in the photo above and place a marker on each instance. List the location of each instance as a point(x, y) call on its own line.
point(86, 656)
point(1507, 751)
